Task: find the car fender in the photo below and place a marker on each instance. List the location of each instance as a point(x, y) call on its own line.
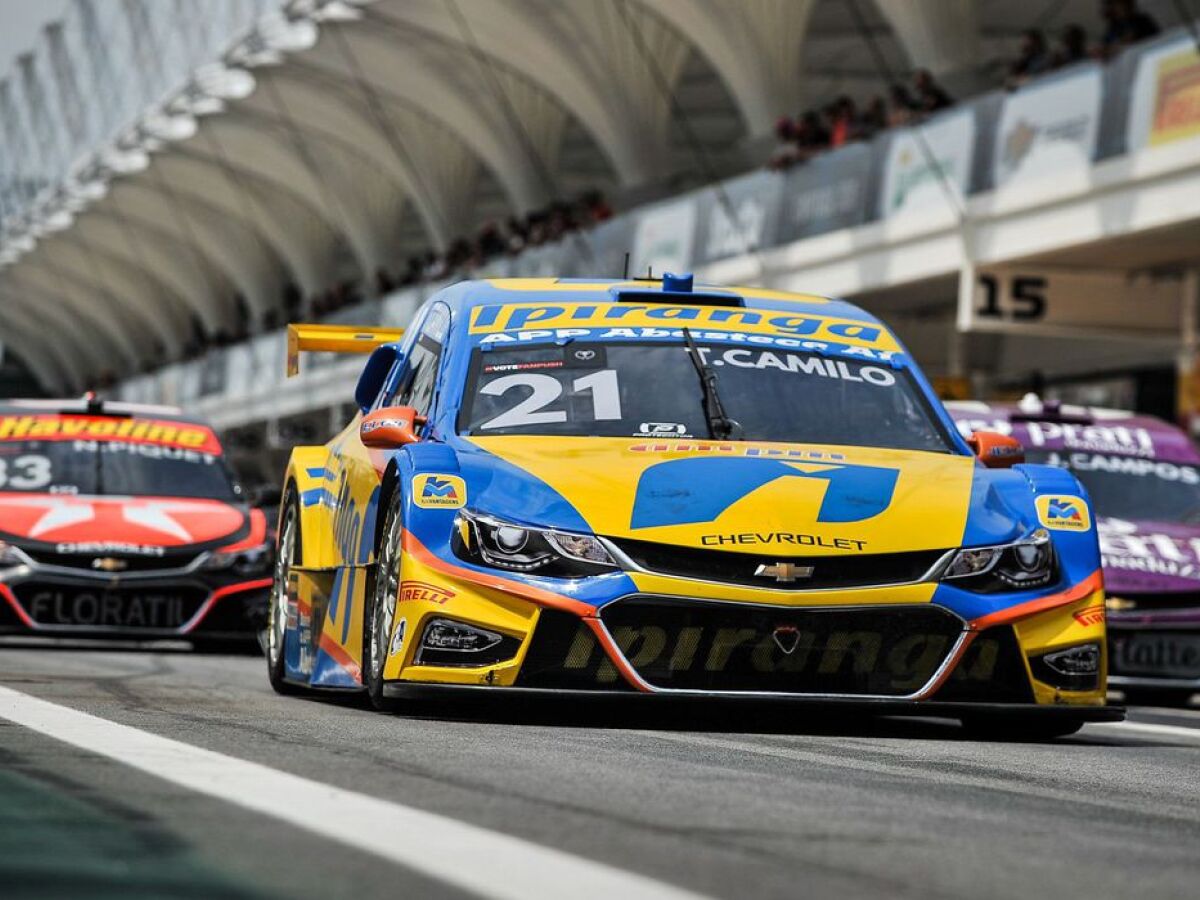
point(308, 471)
point(1076, 541)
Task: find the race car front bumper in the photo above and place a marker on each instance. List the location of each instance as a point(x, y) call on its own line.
point(1155, 649)
point(62, 601)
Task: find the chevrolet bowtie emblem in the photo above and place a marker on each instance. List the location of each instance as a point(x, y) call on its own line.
point(109, 564)
point(784, 571)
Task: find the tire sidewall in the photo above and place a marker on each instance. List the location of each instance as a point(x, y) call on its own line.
point(277, 668)
point(375, 686)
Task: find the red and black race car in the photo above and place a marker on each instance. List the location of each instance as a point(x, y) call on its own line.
point(125, 521)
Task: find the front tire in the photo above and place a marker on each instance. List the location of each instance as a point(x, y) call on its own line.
point(277, 610)
point(380, 613)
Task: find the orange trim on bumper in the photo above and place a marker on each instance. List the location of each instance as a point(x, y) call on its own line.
point(206, 607)
point(1089, 585)
point(7, 594)
point(418, 551)
point(615, 656)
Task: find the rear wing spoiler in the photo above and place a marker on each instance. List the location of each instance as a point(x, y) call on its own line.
point(335, 339)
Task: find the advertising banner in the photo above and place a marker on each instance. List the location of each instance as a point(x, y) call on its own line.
point(926, 161)
point(662, 240)
point(610, 242)
point(1049, 127)
point(742, 221)
point(1166, 96)
point(826, 193)
point(239, 370)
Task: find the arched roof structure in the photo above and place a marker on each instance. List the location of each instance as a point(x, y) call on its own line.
point(163, 165)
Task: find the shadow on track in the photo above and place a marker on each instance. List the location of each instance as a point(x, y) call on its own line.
point(745, 717)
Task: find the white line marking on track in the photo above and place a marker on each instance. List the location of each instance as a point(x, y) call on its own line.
point(466, 856)
point(1191, 734)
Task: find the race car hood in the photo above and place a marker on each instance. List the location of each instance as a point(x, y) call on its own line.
point(811, 500)
point(1149, 557)
point(117, 524)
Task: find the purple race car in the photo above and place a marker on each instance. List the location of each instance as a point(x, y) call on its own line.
point(1143, 476)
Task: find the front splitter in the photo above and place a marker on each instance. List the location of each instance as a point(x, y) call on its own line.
point(407, 690)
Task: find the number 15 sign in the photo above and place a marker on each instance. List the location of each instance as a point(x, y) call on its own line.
point(1069, 302)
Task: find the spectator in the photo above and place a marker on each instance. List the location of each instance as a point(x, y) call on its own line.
point(811, 136)
point(491, 242)
point(383, 282)
point(1033, 59)
point(518, 234)
point(1072, 46)
point(873, 120)
point(842, 121)
point(413, 272)
point(929, 95)
point(1125, 24)
point(598, 209)
point(786, 151)
point(292, 300)
point(900, 106)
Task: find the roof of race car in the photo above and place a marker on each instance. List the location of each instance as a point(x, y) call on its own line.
point(81, 406)
point(518, 310)
point(1052, 426)
point(470, 294)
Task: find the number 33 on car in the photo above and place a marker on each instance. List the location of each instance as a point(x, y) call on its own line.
point(659, 490)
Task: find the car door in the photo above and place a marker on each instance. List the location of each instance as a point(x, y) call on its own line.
point(411, 384)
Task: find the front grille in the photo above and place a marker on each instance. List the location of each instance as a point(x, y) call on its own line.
point(730, 567)
point(565, 655)
point(1170, 600)
point(125, 562)
point(695, 645)
point(991, 671)
point(86, 606)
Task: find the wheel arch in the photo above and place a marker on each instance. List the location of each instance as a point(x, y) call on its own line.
point(388, 486)
point(307, 471)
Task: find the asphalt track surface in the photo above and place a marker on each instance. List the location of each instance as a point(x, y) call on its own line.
point(323, 798)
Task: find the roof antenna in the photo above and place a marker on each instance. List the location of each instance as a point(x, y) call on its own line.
point(625, 271)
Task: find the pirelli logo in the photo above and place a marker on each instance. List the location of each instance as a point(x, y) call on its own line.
point(109, 428)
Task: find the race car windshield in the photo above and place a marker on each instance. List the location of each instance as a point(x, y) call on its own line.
point(652, 390)
point(114, 468)
point(1129, 487)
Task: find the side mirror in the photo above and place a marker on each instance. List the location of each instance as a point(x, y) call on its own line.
point(374, 374)
point(996, 451)
point(390, 427)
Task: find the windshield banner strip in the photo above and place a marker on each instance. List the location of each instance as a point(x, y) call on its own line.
point(160, 432)
point(624, 319)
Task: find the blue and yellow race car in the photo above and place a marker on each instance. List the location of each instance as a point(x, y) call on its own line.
point(663, 489)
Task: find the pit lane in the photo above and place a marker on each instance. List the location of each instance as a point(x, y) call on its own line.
point(747, 803)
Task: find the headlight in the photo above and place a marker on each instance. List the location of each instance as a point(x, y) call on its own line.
point(1028, 563)
point(247, 563)
point(490, 541)
point(11, 556)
